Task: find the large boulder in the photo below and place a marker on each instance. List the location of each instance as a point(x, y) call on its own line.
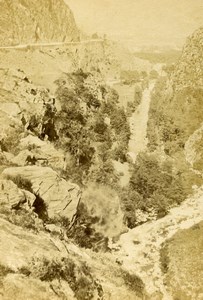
point(10, 194)
point(60, 197)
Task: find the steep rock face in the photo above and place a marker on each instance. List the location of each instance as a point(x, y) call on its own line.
point(60, 197)
point(179, 100)
point(185, 107)
point(189, 70)
point(18, 249)
point(24, 22)
point(193, 150)
point(15, 251)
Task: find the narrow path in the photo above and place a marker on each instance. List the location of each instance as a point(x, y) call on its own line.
point(138, 123)
point(140, 247)
point(38, 45)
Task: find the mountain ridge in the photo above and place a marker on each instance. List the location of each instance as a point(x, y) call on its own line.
point(24, 22)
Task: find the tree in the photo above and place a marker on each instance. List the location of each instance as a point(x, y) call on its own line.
point(153, 74)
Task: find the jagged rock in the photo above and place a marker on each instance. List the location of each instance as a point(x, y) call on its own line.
point(20, 159)
point(53, 228)
point(7, 156)
point(60, 197)
point(30, 198)
point(27, 25)
point(19, 95)
point(193, 149)
point(43, 151)
point(10, 195)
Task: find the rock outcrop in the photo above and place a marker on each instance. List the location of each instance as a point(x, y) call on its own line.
point(43, 151)
point(189, 70)
point(10, 195)
point(28, 22)
point(40, 266)
point(179, 100)
point(60, 197)
point(18, 249)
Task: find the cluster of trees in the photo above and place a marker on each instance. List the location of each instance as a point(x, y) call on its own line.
point(152, 186)
point(93, 131)
point(96, 132)
point(131, 77)
point(132, 105)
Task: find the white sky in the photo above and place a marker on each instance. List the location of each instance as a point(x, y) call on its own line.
point(143, 21)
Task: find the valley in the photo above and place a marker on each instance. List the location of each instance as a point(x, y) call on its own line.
point(101, 183)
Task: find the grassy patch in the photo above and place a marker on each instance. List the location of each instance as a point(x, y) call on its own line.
point(181, 262)
point(21, 218)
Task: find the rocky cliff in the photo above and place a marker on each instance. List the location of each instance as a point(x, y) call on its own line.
point(27, 22)
point(189, 70)
point(179, 99)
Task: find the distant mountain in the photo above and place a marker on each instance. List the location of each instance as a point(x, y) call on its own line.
point(36, 21)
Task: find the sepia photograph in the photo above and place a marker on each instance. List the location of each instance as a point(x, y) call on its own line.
point(101, 149)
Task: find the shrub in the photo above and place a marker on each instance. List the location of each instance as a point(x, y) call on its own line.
point(5, 270)
point(22, 218)
point(78, 275)
point(133, 282)
point(22, 183)
point(164, 258)
point(12, 139)
point(84, 233)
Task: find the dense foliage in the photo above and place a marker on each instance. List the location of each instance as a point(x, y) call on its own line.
point(152, 186)
point(171, 123)
point(91, 127)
